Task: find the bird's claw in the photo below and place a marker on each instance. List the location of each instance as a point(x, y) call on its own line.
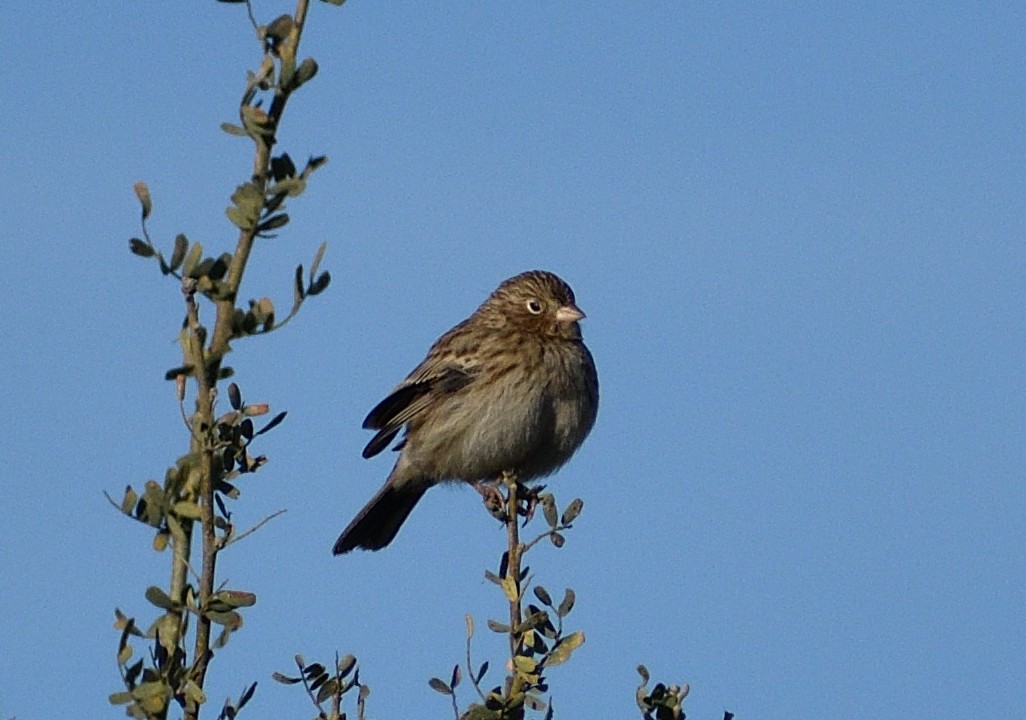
point(527, 501)
point(494, 502)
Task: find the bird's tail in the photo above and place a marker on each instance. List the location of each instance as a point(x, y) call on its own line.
point(376, 525)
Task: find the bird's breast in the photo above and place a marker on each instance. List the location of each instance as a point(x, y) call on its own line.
point(527, 416)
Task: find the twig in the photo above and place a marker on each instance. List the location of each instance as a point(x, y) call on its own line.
point(253, 529)
point(513, 564)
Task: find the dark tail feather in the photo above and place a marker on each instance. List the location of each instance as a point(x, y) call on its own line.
point(376, 525)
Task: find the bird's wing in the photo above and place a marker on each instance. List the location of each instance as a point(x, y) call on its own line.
point(446, 369)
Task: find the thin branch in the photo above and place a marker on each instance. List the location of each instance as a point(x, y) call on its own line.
point(470, 667)
point(547, 533)
point(513, 564)
point(253, 529)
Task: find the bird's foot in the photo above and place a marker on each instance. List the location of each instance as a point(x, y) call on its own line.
point(494, 502)
point(527, 500)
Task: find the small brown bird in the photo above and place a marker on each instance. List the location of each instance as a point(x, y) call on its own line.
point(511, 388)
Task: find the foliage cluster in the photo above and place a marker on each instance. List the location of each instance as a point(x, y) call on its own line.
point(189, 513)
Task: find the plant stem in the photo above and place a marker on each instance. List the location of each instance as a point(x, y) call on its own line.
point(515, 550)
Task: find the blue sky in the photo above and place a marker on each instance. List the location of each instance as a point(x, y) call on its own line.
point(797, 232)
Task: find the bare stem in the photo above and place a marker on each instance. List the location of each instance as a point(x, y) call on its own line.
point(515, 551)
point(513, 565)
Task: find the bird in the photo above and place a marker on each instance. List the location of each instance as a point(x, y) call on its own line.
point(512, 388)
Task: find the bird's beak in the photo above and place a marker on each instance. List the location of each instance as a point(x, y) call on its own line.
point(569, 314)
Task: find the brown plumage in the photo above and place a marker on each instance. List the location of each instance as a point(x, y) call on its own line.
point(511, 388)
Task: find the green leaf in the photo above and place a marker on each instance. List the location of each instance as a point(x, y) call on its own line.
point(129, 501)
point(286, 187)
point(155, 688)
point(194, 692)
point(132, 674)
point(273, 223)
point(274, 422)
point(510, 588)
point(345, 665)
point(239, 219)
point(178, 253)
point(282, 167)
point(525, 664)
point(543, 595)
point(275, 201)
point(187, 509)
point(124, 654)
point(299, 291)
point(192, 260)
point(548, 509)
point(564, 648)
point(165, 629)
point(143, 193)
point(328, 689)
point(568, 603)
point(121, 621)
point(249, 199)
point(572, 511)
point(247, 695)
point(440, 686)
point(158, 597)
point(313, 669)
point(235, 598)
point(141, 248)
point(318, 256)
point(318, 285)
point(218, 267)
point(313, 163)
point(120, 698)
point(255, 120)
point(305, 72)
point(496, 626)
point(235, 396)
point(285, 679)
point(174, 372)
point(557, 539)
point(280, 27)
point(231, 620)
point(532, 701)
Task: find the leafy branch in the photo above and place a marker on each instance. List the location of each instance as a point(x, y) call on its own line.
point(323, 687)
point(197, 491)
point(537, 638)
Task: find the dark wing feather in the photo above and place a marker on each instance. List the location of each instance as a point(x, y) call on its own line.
point(379, 442)
point(397, 401)
point(406, 402)
point(450, 365)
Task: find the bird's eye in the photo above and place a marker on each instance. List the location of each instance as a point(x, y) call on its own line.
point(534, 307)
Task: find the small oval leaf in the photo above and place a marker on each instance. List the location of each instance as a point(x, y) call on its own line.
point(568, 603)
point(141, 248)
point(143, 193)
point(440, 686)
point(158, 597)
point(572, 511)
point(178, 253)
